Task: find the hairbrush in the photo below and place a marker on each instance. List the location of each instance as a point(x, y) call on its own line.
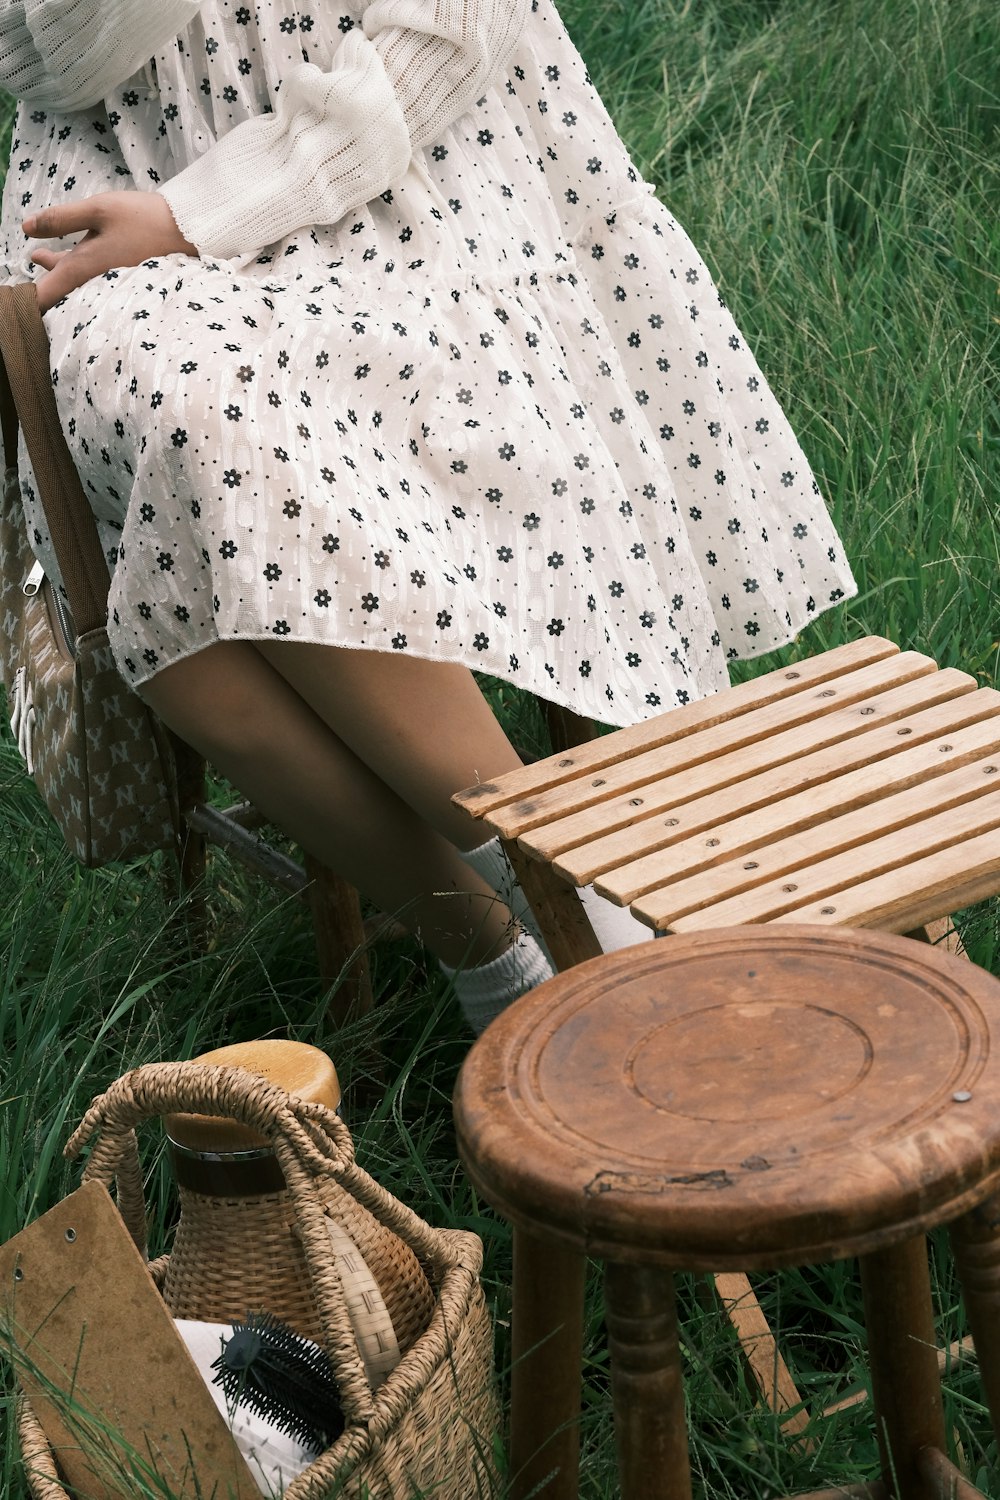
point(288, 1380)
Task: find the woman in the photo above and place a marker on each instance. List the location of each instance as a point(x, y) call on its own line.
point(380, 362)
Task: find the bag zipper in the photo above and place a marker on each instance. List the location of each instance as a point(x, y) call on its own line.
point(60, 618)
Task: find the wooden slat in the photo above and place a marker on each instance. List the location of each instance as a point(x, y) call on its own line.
point(869, 839)
point(675, 725)
point(786, 797)
point(907, 869)
point(840, 699)
point(774, 745)
point(960, 875)
point(847, 702)
point(957, 1353)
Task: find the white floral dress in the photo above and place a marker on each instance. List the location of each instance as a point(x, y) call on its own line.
point(499, 415)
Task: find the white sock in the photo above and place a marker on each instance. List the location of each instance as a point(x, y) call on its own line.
point(614, 926)
point(483, 992)
point(492, 865)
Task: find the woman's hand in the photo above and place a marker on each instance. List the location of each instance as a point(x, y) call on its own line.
point(121, 229)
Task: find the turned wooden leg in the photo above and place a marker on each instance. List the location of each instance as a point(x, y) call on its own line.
point(646, 1383)
point(557, 907)
point(976, 1241)
point(547, 1347)
point(902, 1354)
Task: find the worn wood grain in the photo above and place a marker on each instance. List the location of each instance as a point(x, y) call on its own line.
point(780, 731)
point(954, 877)
point(748, 1097)
point(775, 803)
point(800, 866)
point(580, 810)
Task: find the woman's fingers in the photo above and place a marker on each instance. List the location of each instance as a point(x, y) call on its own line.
point(47, 258)
point(70, 269)
point(119, 229)
point(63, 218)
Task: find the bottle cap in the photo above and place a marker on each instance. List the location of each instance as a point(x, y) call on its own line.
point(295, 1067)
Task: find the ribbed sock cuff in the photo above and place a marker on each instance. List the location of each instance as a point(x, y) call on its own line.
point(486, 990)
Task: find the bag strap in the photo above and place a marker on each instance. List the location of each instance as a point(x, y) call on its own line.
point(26, 385)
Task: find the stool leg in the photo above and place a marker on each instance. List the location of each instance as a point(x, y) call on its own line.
point(646, 1383)
point(975, 1238)
point(902, 1352)
point(547, 1349)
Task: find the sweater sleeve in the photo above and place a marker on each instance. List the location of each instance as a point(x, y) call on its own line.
point(67, 54)
point(338, 139)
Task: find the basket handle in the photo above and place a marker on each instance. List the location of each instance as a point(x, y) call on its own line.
point(308, 1140)
point(320, 1139)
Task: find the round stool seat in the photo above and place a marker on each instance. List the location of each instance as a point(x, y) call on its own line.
point(745, 1098)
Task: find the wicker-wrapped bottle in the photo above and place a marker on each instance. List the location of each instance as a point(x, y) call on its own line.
point(237, 1247)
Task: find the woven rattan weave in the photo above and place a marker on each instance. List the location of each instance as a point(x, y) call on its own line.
point(429, 1427)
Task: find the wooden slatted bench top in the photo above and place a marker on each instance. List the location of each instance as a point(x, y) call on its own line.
point(858, 787)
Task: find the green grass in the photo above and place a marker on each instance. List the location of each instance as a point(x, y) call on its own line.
point(836, 161)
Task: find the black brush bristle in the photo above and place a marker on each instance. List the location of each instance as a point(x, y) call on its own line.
point(281, 1376)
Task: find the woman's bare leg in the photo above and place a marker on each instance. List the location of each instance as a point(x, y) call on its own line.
point(428, 732)
point(423, 727)
point(248, 721)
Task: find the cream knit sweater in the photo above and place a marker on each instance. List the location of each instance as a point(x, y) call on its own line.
point(336, 139)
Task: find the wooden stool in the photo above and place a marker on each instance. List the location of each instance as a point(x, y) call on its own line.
point(743, 1099)
point(858, 788)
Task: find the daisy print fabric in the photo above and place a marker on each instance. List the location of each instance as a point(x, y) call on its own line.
point(498, 414)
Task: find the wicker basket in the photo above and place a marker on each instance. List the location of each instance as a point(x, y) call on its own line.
point(429, 1427)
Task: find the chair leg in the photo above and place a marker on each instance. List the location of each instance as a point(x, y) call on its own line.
point(547, 1353)
point(975, 1239)
point(190, 790)
point(646, 1383)
point(902, 1354)
point(941, 933)
point(340, 942)
point(558, 909)
point(566, 729)
point(192, 848)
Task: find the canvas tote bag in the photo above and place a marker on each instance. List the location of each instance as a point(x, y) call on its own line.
point(101, 760)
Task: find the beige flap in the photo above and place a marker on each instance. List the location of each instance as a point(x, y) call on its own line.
point(100, 1360)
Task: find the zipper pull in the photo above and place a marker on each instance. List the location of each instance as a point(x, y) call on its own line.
point(34, 581)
